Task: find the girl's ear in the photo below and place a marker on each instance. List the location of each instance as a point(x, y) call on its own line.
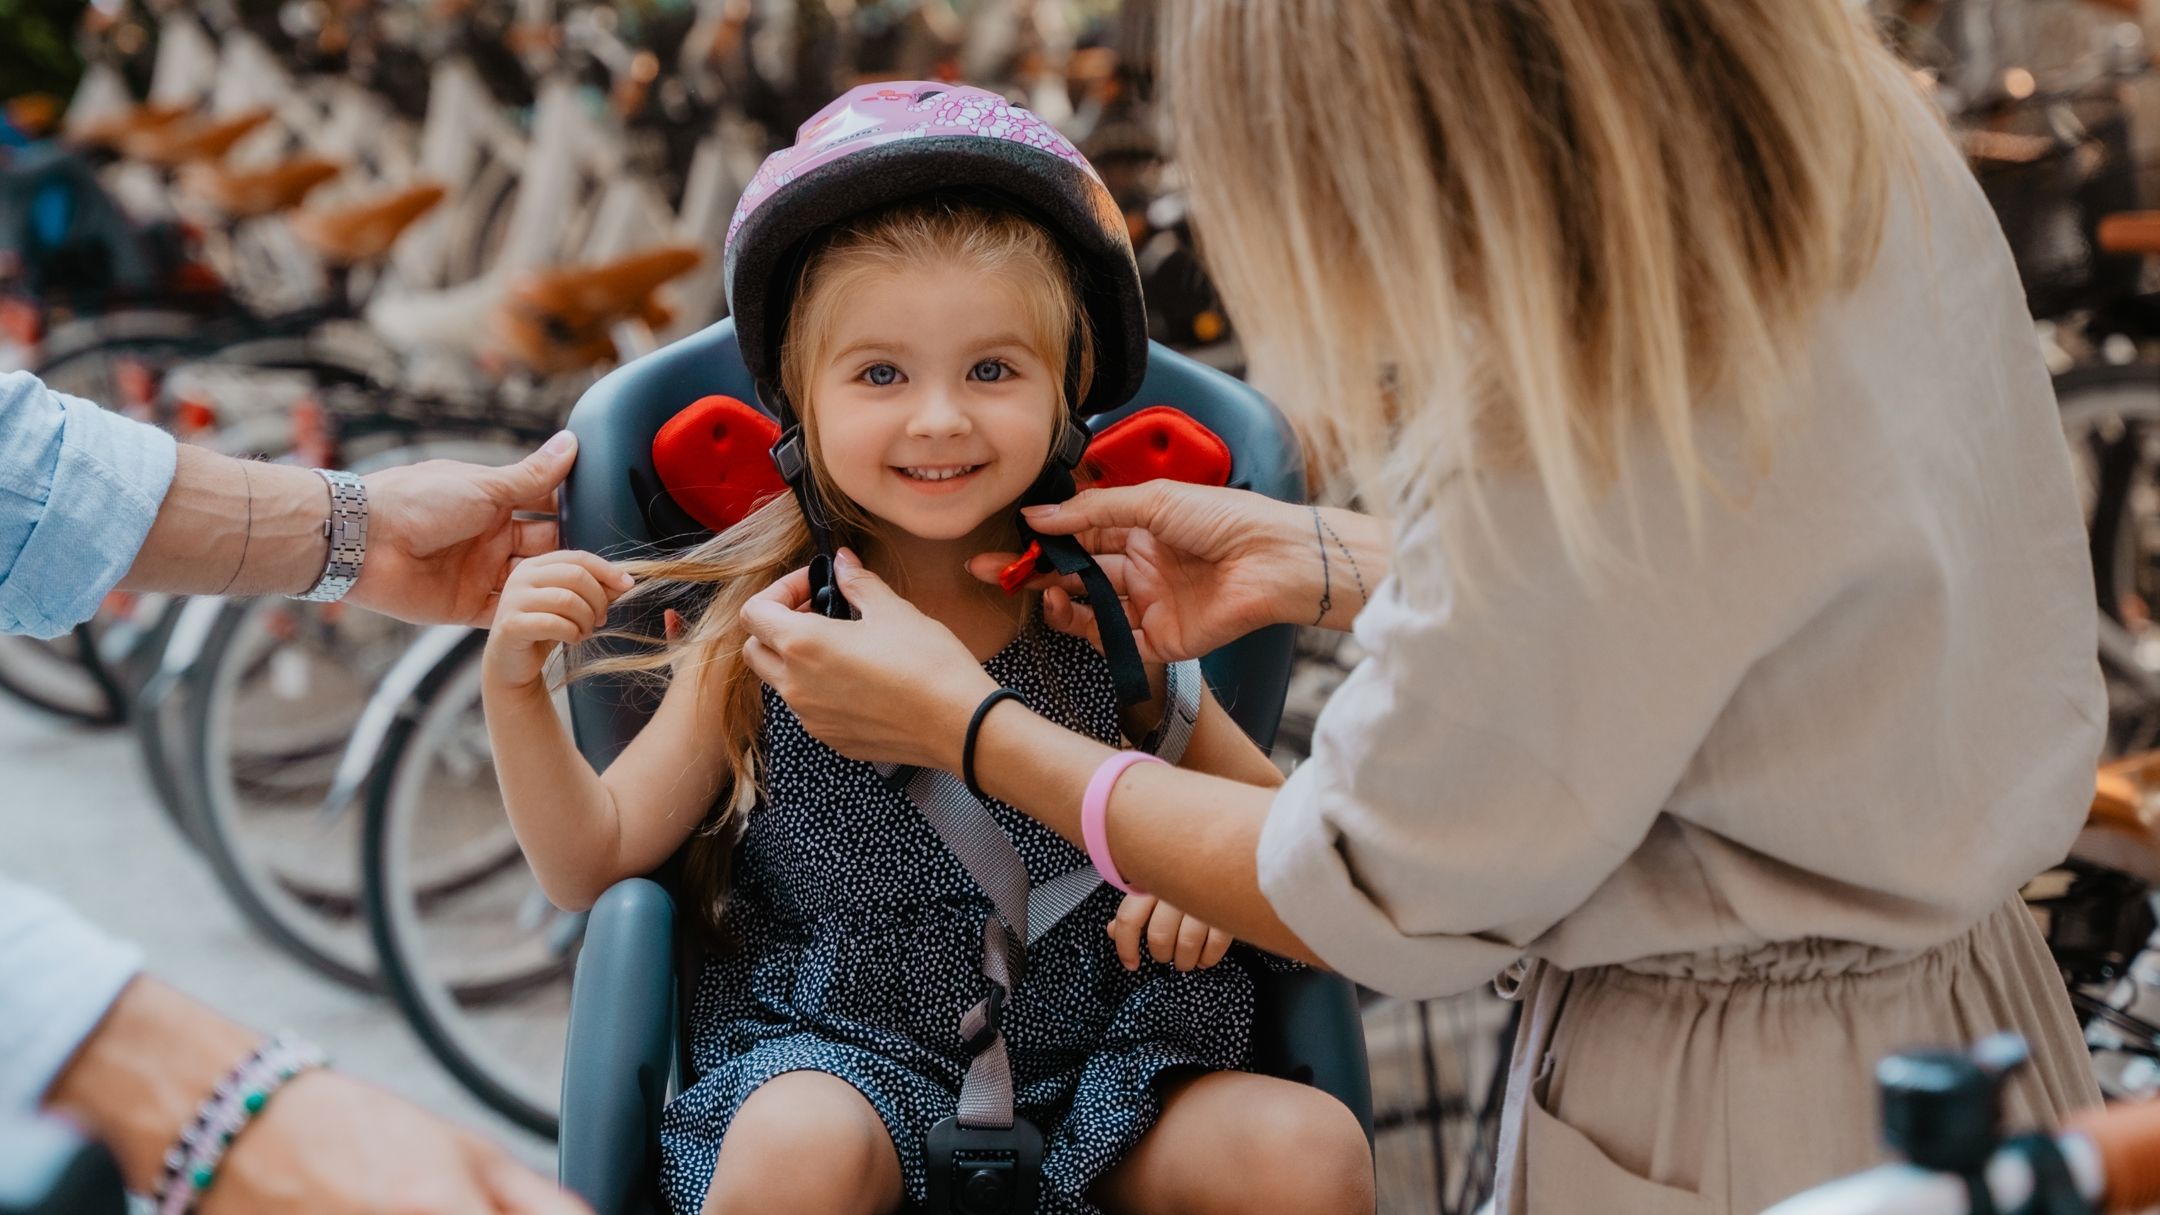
point(715, 459)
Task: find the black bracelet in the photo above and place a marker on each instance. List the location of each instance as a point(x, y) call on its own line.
point(967, 749)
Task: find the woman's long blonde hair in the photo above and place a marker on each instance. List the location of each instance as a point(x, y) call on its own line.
point(719, 575)
point(1469, 235)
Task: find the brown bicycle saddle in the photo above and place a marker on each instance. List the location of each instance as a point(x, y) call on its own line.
point(253, 193)
point(112, 132)
point(559, 320)
point(2130, 232)
point(170, 145)
point(363, 232)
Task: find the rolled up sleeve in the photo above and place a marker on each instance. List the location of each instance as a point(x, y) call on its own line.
point(79, 489)
point(1493, 761)
point(58, 975)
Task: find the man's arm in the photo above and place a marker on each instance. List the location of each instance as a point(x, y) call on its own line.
point(234, 527)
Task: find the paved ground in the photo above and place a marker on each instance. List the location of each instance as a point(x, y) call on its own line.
point(79, 820)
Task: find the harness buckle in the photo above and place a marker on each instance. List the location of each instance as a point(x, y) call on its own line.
point(993, 1021)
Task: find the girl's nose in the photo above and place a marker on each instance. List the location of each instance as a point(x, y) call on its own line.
point(937, 415)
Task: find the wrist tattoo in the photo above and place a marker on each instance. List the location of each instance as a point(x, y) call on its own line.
point(1327, 597)
point(1348, 556)
point(247, 530)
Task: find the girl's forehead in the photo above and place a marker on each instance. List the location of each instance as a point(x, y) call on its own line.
point(931, 308)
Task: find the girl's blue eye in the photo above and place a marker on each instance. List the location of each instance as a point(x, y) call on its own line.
point(990, 371)
point(882, 375)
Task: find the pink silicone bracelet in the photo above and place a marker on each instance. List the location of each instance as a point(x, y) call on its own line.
point(1095, 804)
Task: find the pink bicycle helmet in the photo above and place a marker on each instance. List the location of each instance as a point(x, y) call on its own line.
point(879, 144)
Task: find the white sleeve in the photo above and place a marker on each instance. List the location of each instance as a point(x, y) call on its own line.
point(58, 975)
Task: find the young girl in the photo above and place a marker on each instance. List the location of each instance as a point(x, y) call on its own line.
point(933, 345)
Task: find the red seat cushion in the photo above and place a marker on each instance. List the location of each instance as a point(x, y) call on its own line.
point(715, 459)
point(1157, 443)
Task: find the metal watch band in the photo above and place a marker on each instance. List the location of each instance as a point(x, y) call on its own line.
point(346, 529)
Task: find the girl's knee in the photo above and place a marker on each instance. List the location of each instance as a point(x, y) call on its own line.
point(1305, 1151)
point(805, 1141)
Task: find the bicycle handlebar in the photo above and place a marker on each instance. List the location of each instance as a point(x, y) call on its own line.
point(2113, 1155)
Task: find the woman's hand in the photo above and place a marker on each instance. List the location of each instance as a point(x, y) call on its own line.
point(555, 599)
point(1198, 566)
point(1184, 941)
point(892, 687)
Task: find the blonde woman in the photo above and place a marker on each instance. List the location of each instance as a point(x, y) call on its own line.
point(1731, 663)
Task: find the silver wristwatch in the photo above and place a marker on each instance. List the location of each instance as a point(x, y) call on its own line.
point(346, 529)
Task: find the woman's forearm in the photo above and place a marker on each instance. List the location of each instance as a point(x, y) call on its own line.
point(236, 527)
point(1335, 563)
point(1188, 837)
point(564, 816)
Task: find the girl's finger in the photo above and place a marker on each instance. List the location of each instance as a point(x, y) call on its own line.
point(1127, 925)
point(559, 601)
point(1162, 932)
point(541, 626)
point(1218, 944)
point(579, 581)
point(1192, 938)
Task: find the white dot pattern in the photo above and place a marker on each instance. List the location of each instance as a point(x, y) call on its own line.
point(861, 948)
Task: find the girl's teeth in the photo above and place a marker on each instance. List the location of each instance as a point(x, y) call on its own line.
point(940, 474)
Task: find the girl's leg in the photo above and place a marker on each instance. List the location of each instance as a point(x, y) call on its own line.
point(806, 1142)
point(1235, 1142)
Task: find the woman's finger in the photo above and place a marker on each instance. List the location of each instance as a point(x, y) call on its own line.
point(1218, 944)
point(762, 662)
point(1124, 506)
point(790, 591)
point(1126, 927)
point(1191, 941)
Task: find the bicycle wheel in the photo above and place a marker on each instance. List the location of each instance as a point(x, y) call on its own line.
point(1439, 1070)
point(268, 705)
point(481, 966)
point(2111, 422)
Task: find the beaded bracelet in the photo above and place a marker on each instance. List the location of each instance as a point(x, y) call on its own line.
point(191, 1163)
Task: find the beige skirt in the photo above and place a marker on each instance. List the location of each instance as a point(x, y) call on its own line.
point(1725, 1082)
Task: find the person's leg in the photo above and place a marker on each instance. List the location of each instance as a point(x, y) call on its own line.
point(806, 1142)
point(1235, 1142)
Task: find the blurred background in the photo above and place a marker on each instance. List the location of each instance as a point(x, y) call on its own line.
point(355, 233)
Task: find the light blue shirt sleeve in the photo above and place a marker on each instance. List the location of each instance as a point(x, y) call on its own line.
point(58, 975)
point(79, 488)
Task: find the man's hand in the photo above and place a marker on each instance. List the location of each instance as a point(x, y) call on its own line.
point(441, 539)
point(331, 1145)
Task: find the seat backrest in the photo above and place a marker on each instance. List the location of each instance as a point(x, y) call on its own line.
point(1307, 1026)
point(616, 419)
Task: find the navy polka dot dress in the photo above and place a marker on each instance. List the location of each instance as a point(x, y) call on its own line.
point(861, 947)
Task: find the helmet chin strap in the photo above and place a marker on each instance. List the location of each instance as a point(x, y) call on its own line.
point(793, 460)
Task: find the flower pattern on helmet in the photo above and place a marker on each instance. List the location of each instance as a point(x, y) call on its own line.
point(872, 115)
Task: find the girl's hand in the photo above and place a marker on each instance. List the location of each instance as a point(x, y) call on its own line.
point(555, 599)
point(1172, 936)
point(892, 687)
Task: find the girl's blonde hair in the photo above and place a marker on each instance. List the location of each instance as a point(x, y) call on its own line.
point(1469, 235)
point(722, 573)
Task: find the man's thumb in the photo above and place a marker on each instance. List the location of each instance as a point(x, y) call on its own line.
point(538, 474)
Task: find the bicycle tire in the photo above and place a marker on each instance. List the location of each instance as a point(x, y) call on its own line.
point(429, 1005)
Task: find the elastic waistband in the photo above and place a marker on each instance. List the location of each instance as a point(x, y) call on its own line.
point(1809, 959)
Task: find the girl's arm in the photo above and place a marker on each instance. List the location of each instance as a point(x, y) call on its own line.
point(581, 831)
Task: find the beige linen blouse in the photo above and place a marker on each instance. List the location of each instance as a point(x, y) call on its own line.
point(1862, 705)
